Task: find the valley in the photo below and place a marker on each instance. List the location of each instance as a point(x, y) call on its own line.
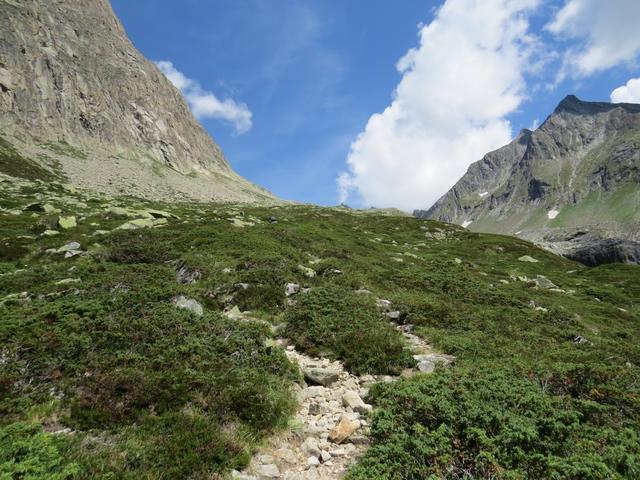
point(150, 340)
point(163, 318)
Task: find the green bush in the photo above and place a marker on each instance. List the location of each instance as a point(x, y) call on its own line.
point(132, 367)
point(26, 452)
point(136, 247)
point(488, 423)
point(347, 327)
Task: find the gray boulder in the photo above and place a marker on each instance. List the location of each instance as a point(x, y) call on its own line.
point(188, 304)
point(321, 376)
point(69, 247)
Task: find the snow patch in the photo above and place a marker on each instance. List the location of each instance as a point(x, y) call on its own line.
point(551, 214)
point(483, 194)
point(466, 223)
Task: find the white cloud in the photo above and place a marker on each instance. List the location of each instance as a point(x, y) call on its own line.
point(607, 32)
point(449, 108)
point(629, 93)
point(205, 104)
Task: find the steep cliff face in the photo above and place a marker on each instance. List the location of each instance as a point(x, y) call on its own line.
point(580, 171)
point(70, 76)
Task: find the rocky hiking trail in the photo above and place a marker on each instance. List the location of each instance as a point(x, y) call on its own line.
point(329, 430)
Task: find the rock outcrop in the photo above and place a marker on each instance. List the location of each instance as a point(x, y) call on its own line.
point(593, 247)
point(75, 92)
point(580, 170)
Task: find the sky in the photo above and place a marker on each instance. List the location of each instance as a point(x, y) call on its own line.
point(380, 103)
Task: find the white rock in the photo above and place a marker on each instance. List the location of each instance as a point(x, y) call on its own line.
point(352, 400)
point(383, 304)
point(287, 455)
point(268, 471)
point(338, 452)
point(315, 391)
point(188, 304)
point(291, 289)
point(69, 247)
point(236, 475)
point(264, 458)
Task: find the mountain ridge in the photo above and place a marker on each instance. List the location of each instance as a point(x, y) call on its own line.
point(579, 170)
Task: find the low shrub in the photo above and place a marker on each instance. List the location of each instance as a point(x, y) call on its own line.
point(26, 452)
point(488, 423)
point(347, 327)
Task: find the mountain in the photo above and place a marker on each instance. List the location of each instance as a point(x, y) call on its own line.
point(572, 185)
point(78, 99)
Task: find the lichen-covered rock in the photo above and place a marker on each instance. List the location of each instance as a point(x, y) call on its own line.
point(308, 272)
point(188, 304)
point(69, 247)
point(67, 222)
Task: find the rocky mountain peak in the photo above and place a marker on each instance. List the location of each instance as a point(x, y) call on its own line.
point(69, 76)
point(579, 170)
point(573, 105)
point(523, 136)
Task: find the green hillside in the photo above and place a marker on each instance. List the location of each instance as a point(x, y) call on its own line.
point(545, 384)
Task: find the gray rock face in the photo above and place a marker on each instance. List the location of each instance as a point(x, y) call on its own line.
point(579, 170)
point(593, 248)
point(186, 275)
point(68, 73)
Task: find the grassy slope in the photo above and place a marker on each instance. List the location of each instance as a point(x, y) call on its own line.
point(12, 163)
point(622, 206)
point(155, 392)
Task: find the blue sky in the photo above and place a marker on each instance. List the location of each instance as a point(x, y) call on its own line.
point(302, 80)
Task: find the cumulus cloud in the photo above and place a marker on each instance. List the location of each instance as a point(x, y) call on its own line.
point(629, 93)
point(205, 104)
point(606, 31)
point(449, 108)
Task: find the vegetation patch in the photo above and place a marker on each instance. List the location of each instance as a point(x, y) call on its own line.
point(15, 165)
point(346, 326)
point(102, 376)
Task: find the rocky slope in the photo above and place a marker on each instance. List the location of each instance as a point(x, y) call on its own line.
point(572, 185)
point(76, 95)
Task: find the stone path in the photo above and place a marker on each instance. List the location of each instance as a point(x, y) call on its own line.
point(329, 430)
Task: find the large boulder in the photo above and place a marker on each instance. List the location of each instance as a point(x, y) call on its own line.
point(188, 304)
point(352, 400)
point(321, 376)
point(609, 250)
point(343, 429)
point(67, 222)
